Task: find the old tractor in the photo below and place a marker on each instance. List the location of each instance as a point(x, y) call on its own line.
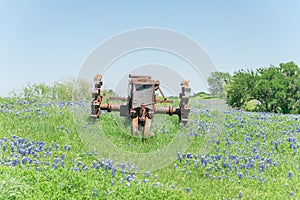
point(140, 105)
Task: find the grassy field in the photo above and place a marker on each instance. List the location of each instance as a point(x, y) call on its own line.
point(231, 155)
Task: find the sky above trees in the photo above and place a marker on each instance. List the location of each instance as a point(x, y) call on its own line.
point(47, 41)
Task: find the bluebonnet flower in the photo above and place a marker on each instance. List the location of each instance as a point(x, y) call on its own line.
point(179, 158)
point(188, 190)
point(146, 181)
point(261, 166)
point(121, 180)
point(295, 150)
point(240, 175)
point(175, 166)
point(24, 160)
point(75, 169)
point(113, 172)
point(95, 192)
point(130, 178)
point(54, 166)
point(206, 174)
point(84, 168)
point(56, 160)
point(261, 180)
point(290, 174)
point(12, 148)
point(35, 161)
point(240, 194)
point(15, 162)
point(147, 174)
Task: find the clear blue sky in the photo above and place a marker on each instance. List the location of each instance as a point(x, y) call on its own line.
point(47, 41)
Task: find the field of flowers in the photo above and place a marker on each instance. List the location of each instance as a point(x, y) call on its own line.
point(250, 156)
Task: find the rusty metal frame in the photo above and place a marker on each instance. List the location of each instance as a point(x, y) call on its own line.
point(142, 115)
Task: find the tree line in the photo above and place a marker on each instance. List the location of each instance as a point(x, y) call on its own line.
point(271, 89)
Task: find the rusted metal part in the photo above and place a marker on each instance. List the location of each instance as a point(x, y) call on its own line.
point(166, 110)
point(118, 98)
point(139, 76)
point(143, 114)
point(141, 103)
point(110, 107)
point(134, 125)
point(147, 127)
point(97, 98)
point(142, 95)
point(159, 101)
point(184, 100)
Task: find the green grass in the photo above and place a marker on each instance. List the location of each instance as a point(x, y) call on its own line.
point(218, 139)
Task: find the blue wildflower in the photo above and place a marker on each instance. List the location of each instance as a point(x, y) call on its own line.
point(54, 166)
point(95, 192)
point(84, 168)
point(240, 194)
point(240, 175)
point(113, 172)
point(147, 174)
point(188, 190)
point(24, 160)
point(290, 174)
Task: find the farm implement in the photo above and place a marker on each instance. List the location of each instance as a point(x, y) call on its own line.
point(141, 104)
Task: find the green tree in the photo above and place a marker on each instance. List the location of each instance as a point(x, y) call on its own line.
point(238, 90)
point(267, 88)
point(276, 88)
point(217, 82)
